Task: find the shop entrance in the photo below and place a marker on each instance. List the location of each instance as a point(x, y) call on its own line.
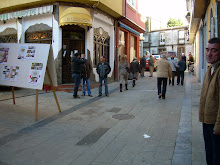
point(73, 41)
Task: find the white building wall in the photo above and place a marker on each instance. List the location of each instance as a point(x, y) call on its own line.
point(100, 20)
point(8, 24)
point(56, 37)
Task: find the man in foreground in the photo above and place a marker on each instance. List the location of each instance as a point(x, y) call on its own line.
point(209, 107)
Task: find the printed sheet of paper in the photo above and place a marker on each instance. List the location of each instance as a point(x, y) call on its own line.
point(26, 52)
point(35, 73)
point(4, 54)
point(10, 73)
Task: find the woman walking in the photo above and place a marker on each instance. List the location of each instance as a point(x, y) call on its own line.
point(124, 68)
point(135, 68)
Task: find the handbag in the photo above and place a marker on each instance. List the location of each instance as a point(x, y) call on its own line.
point(130, 76)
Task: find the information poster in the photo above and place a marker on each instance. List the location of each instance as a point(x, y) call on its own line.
point(23, 65)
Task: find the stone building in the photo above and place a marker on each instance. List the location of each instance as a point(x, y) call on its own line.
point(169, 39)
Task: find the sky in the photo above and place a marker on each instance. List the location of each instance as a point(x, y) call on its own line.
point(162, 10)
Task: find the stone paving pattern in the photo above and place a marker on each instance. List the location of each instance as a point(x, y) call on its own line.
point(88, 132)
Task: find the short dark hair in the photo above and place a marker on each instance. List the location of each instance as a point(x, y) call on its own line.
point(77, 54)
point(103, 57)
point(214, 41)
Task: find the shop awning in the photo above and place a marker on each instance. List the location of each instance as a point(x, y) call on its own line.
point(74, 16)
point(128, 28)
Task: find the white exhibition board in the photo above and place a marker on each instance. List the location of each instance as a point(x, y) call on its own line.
point(23, 65)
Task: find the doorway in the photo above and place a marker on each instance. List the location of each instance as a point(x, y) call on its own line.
point(73, 42)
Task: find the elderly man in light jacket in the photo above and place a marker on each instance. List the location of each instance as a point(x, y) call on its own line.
point(164, 71)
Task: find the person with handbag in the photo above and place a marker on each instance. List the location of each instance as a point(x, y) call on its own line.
point(124, 70)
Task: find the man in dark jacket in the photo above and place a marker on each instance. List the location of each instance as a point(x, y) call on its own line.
point(180, 71)
point(85, 75)
point(103, 69)
point(143, 65)
point(76, 72)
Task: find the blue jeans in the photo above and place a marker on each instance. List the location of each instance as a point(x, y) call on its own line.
point(101, 79)
point(87, 81)
point(162, 81)
point(76, 78)
point(212, 145)
point(180, 75)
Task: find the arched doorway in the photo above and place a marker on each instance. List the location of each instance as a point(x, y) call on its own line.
point(73, 40)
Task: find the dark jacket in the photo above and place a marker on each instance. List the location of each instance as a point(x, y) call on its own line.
point(103, 70)
point(86, 69)
point(182, 66)
point(134, 67)
point(143, 62)
point(77, 64)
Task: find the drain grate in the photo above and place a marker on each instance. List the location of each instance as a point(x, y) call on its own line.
point(123, 116)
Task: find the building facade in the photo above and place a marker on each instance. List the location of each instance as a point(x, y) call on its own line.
point(130, 27)
point(203, 17)
point(81, 26)
point(169, 39)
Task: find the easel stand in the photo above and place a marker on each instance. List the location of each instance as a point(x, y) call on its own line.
point(36, 104)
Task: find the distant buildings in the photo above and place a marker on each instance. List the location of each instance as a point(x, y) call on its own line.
point(168, 39)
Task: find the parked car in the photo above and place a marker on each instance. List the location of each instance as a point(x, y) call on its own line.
point(147, 62)
point(156, 56)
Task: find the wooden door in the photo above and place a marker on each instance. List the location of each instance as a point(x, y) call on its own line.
point(70, 47)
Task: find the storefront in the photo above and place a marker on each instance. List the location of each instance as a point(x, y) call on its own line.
point(68, 29)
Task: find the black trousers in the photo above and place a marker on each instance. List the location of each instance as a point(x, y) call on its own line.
point(212, 145)
point(163, 82)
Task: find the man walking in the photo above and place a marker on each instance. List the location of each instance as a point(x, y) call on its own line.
point(103, 69)
point(76, 72)
point(164, 71)
point(151, 65)
point(143, 65)
point(209, 107)
point(181, 70)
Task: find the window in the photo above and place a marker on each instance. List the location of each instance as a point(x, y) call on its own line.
point(39, 37)
point(132, 3)
point(9, 35)
point(101, 45)
point(162, 39)
point(212, 25)
point(181, 37)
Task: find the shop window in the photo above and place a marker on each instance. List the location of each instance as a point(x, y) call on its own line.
point(38, 37)
point(9, 35)
point(101, 45)
point(39, 33)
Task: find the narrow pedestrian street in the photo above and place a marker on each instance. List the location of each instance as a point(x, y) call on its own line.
point(132, 127)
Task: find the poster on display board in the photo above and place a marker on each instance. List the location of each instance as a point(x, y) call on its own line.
point(24, 65)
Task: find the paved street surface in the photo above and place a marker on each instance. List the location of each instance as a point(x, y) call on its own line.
point(132, 127)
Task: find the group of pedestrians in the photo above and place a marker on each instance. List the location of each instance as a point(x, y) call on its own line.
point(209, 107)
point(82, 69)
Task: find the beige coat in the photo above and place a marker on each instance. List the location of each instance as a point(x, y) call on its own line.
point(164, 69)
point(209, 107)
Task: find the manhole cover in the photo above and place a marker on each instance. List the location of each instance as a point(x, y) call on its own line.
point(123, 116)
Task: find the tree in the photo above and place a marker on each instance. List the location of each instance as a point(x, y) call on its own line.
point(174, 22)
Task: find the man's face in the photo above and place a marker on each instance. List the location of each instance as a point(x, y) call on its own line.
point(212, 53)
point(102, 59)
